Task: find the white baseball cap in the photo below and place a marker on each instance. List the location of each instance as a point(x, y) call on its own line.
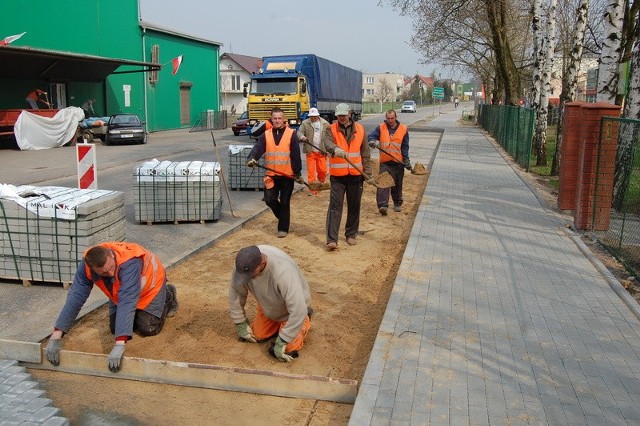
point(342, 109)
point(313, 112)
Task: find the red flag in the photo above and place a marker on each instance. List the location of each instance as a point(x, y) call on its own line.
point(176, 64)
point(11, 39)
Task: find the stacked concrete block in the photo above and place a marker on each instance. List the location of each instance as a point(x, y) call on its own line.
point(240, 176)
point(186, 191)
point(45, 230)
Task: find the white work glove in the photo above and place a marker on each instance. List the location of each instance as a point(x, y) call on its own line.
point(53, 351)
point(245, 332)
point(115, 357)
point(371, 181)
point(278, 351)
point(339, 152)
point(252, 163)
point(374, 143)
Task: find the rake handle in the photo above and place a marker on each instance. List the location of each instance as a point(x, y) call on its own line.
point(367, 177)
point(285, 175)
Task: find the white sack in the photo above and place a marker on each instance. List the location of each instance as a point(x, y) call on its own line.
point(36, 132)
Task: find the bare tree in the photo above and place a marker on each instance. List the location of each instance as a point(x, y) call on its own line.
point(570, 69)
point(628, 133)
point(386, 90)
point(611, 52)
point(538, 53)
point(542, 113)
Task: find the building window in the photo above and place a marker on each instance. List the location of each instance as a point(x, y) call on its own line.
point(370, 91)
point(370, 80)
point(235, 82)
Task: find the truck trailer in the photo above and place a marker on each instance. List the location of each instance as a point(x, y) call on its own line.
point(296, 83)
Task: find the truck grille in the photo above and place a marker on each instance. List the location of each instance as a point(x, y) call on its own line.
point(262, 111)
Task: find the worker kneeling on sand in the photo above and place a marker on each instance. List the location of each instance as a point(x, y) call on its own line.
point(135, 282)
point(282, 295)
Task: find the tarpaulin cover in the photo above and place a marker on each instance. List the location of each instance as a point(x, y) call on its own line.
point(36, 132)
point(328, 80)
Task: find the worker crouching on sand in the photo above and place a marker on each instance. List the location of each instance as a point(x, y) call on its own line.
point(135, 282)
point(282, 295)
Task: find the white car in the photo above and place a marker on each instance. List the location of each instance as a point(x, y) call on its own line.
point(409, 106)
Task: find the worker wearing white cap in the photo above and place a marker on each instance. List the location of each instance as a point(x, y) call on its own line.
point(310, 133)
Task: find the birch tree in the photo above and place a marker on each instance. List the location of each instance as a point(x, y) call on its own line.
point(570, 76)
point(542, 113)
point(538, 53)
point(610, 54)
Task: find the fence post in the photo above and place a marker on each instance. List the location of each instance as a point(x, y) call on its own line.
point(569, 155)
point(590, 135)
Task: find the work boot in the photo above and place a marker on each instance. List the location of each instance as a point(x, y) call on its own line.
point(172, 292)
point(351, 241)
point(282, 234)
point(383, 210)
point(332, 246)
point(309, 311)
point(397, 209)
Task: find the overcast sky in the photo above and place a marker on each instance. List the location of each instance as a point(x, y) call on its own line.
point(356, 33)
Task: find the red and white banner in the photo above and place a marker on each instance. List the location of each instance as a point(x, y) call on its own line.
point(11, 39)
point(176, 62)
point(87, 167)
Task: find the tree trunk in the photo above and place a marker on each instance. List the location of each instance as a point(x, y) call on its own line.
point(570, 79)
point(496, 13)
point(538, 54)
point(610, 54)
point(542, 114)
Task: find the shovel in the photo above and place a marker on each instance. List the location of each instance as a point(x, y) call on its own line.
point(417, 169)
point(314, 191)
point(383, 180)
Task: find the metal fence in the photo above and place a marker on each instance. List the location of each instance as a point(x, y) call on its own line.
point(210, 120)
point(512, 127)
point(623, 236)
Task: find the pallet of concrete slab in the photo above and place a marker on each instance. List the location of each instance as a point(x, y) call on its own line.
point(45, 230)
point(186, 191)
point(242, 177)
point(206, 376)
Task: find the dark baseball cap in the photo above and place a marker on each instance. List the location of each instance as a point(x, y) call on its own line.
point(247, 261)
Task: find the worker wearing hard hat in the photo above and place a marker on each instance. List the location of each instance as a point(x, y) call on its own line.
point(310, 133)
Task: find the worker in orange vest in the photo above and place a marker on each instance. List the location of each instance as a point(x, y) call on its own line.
point(135, 282)
point(281, 149)
point(347, 139)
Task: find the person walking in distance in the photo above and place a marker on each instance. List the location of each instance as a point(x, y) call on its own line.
point(346, 142)
point(135, 282)
point(282, 295)
point(281, 150)
point(310, 133)
point(393, 138)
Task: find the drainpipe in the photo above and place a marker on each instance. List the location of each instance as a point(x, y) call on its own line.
point(144, 79)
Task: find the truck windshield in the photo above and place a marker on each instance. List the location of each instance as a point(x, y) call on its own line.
point(266, 86)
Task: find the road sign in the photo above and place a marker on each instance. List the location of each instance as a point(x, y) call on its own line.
point(438, 92)
point(87, 173)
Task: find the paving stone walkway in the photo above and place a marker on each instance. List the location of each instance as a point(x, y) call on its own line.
point(499, 314)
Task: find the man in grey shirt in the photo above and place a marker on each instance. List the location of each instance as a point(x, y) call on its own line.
point(283, 297)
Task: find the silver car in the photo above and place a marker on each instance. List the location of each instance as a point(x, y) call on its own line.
point(409, 106)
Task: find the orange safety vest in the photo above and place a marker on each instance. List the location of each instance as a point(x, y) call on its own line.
point(152, 276)
point(391, 144)
point(278, 157)
point(340, 166)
